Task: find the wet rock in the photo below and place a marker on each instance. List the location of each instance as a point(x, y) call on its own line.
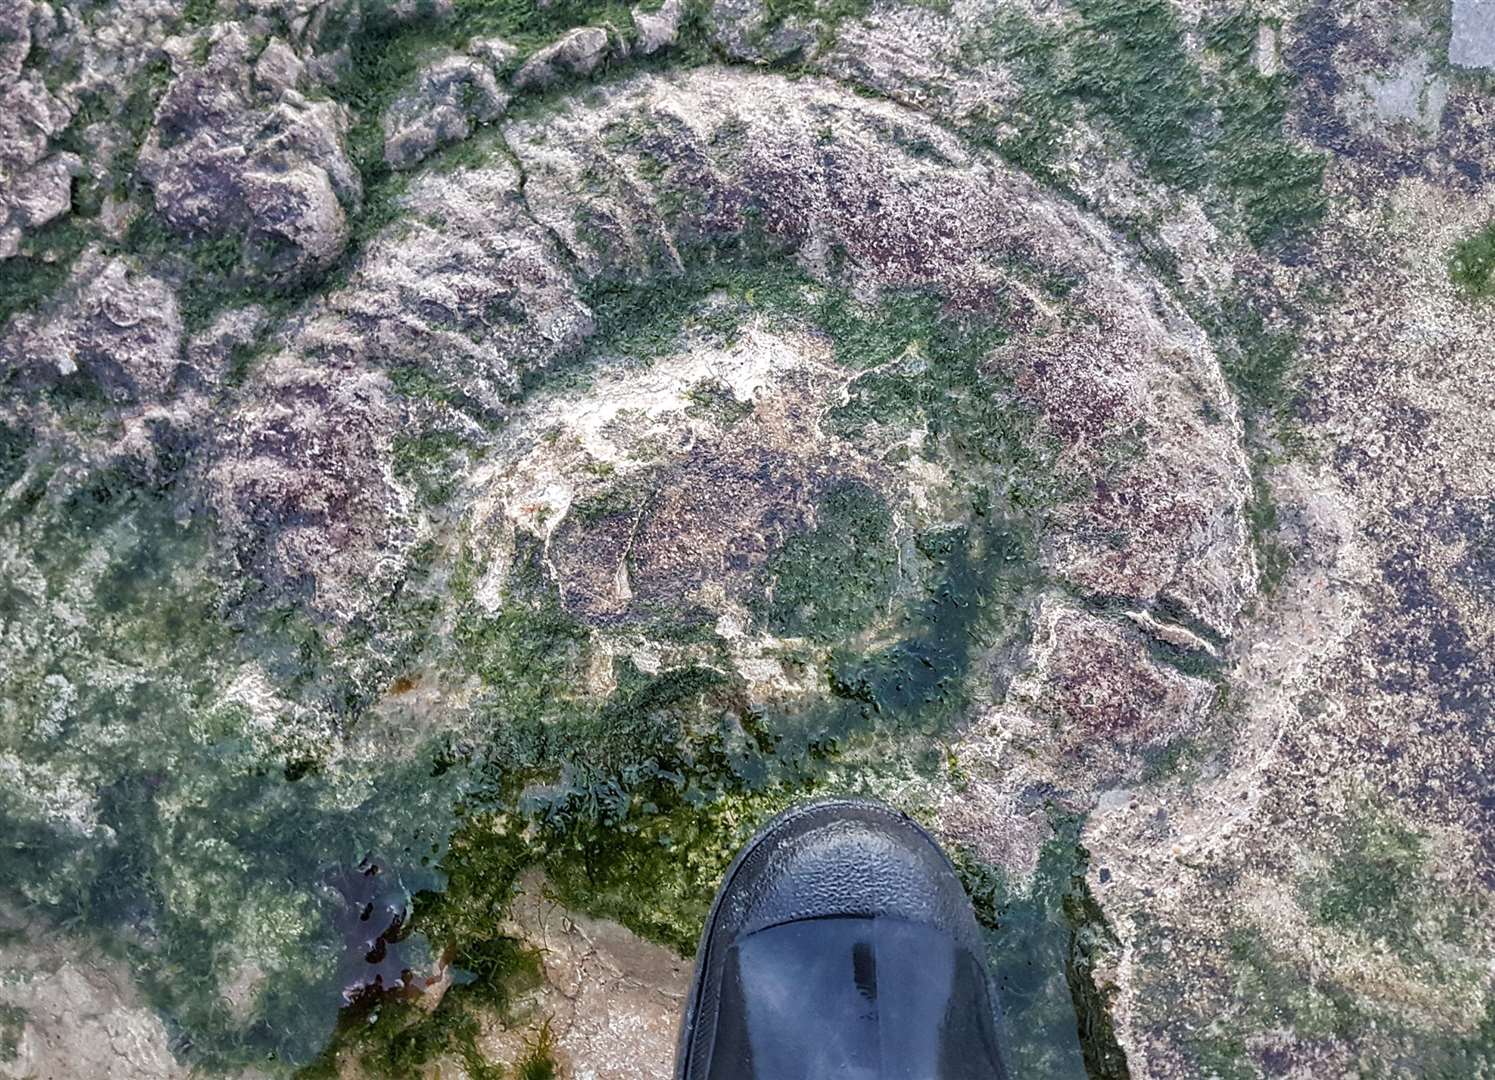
point(449, 98)
point(226, 158)
point(35, 184)
point(75, 1018)
point(1472, 43)
point(473, 295)
point(612, 1000)
point(300, 487)
point(658, 29)
point(1132, 391)
point(118, 328)
point(1110, 707)
point(576, 55)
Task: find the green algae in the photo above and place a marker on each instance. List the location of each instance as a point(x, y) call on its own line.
point(831, 581)
point(1218, 129)
point(1472, 265)
point(395, 1038)
point(1044, 941)
point(429, 461)
point(1376, 884)
point(12, 1024)
point(631, 802)
point(713, 400)
point(14, 444)
point(199, 858)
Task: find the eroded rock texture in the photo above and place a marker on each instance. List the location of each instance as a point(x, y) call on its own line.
point(462, 468)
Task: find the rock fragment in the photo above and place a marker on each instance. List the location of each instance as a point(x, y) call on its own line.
point(234, 153)
point(119, 328)
point(450, 97)
point(745, 31)
point(659, 28)
point(494, 51)
point(278, 68)
point(35, 184)
point(577, 55)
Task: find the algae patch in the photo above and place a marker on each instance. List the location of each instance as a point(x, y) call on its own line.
point(1472, 266)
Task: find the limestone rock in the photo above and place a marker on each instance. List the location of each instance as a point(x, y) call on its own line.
point(299, 486)
point(450, 96)
point(1133, 391)
point(576, 55)
point(474, 294)
point(77, 1019)
point(744, 30)
point(611, 999)
point(224, 157)
point(658, 29)
point(118, 328)
point(1472, 43)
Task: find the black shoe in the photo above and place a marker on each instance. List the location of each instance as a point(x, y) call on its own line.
point(841, 944)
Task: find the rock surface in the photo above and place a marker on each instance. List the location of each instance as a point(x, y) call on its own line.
point(461, 470)
point(236, 153)
point(449, 98)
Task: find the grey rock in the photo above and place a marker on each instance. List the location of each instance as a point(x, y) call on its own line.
point(470, 291)
point(1472, 43)
point(300, 486)
point(34, 183)
point(658, 29)
point(296, 220)
point(118, 328)
point(36, 196)
point(449, 98)
point(497, 53)
point(224, 157)
point(210, 353)
point(278, 68)
point(1411, 93)
point(15, 37)
point(742, 30)
point(578, 54)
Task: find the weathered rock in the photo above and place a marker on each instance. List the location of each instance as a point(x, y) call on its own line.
point(300, 487)
point(658, 29)
point(745, 31)
point(497, 53)
point(118, 328)
point(1472, 43)
point(278, 68)
point(15, 37)
point(225, 158)
point(1132, 391)
point(211, 353)
point(450, 96)
point(475, 296)
point(35, 184)
point(576, 55)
